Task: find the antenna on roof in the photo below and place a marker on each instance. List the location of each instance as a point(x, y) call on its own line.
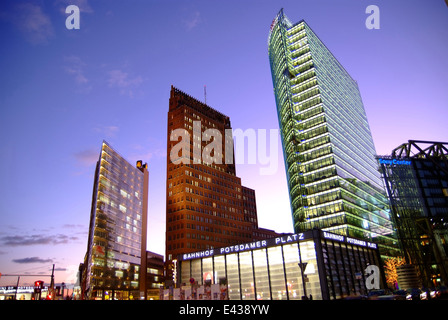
point(205, 94)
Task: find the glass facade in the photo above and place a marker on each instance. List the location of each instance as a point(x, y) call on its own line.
point(117, 228)
point(332, 174)
point(314, 264)
point(416, 179)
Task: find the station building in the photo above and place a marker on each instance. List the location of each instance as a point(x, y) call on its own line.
point(314, 265)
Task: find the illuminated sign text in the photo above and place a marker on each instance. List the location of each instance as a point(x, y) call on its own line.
point(394, 161)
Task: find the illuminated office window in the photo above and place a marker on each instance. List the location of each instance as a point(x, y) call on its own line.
point(247, 276)
point(328, 148)
point(233, 278)
point(277, 272)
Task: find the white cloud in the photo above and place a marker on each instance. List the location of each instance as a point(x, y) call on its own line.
point(83, 5)
point(145, 153)
point(75, 67)
point(107, 131)
point(193, 21)
point(150, 155)
point(87, 157)
point(34, 24)
point(126, 84)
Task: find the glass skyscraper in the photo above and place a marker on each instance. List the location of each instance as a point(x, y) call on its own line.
point(115, 262)
point(416, 179)
point(329, 155)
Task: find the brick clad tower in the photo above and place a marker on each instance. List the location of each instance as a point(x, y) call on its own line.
point(205, 206)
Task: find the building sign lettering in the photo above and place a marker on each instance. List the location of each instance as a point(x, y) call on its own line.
point(394, 161)
point(340, 238)
point(332, 236)
point(243, 247)
point(289, 238)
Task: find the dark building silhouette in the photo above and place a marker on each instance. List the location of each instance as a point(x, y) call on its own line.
point(416, 179)
point(155, 275)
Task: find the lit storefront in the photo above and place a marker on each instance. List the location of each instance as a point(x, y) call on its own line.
point(21, 293)
point(313, 264)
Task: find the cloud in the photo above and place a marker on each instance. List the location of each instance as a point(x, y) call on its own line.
point(60, 269)
point(31, 21)
point(87, 157)
point(32, 260)
point(83, 5)
point(193, 21)
point(71, 274)
point(143, 153)
point(107, 131)
point(36, 239)
point(75, 67)
point(151, 155)
point(123, 82)
point(73, 226)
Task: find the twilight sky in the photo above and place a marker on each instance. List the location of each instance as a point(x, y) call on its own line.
point(63, 91)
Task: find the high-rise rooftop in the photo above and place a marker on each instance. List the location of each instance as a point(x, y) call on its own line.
point(329, 154)
point(115, 262)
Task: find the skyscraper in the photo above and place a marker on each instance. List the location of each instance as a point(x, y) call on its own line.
point(206, 205)
point(416, 178)
point(115, 262)
point(329, 155)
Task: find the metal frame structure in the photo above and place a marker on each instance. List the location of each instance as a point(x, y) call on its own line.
point(416, 223)
point(435, 151)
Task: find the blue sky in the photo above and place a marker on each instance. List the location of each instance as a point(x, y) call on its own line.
point(64, 91)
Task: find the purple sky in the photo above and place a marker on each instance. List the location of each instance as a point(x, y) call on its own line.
point(64, 91)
